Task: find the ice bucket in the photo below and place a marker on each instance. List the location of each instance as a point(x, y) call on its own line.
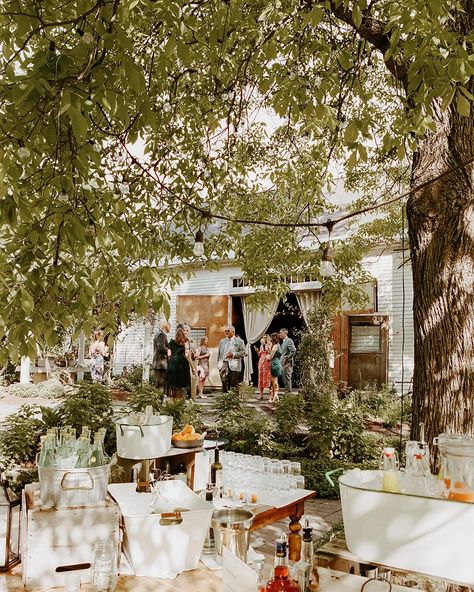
point(231, 529)
point(70, 488)
point(408, 532)
point(136, 441)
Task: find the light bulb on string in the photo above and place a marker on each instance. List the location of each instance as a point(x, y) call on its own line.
point(198, 248)
point(326, 267)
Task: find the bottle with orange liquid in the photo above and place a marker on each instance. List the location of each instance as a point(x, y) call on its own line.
point(281, 581)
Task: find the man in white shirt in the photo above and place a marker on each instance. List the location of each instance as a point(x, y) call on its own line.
point(229, 359)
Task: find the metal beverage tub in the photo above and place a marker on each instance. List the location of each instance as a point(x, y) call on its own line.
point(136, 441)
point(70, 488)
point(420, 534)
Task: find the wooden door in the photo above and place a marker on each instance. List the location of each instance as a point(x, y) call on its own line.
point(368, 349)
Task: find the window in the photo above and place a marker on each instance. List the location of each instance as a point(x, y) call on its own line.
point(196, 334)
point(365, 339)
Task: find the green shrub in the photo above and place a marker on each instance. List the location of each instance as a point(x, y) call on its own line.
point(383, 403)
point(19, 436)
point(248, 430)
point(289, 414)
point(183, 412)
point(91, 405)
point(314, 472)
point(145, 395)
point(336, 429)
point(8, 373)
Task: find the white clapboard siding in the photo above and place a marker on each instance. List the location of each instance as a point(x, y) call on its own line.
point(387, 269)
point(130, 346)
point(384, 265)
point(52, 539)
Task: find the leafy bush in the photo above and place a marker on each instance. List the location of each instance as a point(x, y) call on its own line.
point(248, 430)
point(48, 389)
point(183, 412)
point(336, 429)
point(314, 472)
point(143, 396)
point(8, 373)
point(91, 405)
point(289, 414)
point(19, 436)
point(382, 403)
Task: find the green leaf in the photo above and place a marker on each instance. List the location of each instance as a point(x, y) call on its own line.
point(351, 132)
point(79, 123)
point(463, 105)
point(27, 302)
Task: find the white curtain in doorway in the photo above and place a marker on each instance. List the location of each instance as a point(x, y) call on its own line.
point(256, 322)
point(306, 301)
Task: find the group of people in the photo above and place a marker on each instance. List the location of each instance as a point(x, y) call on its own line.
point(180, 367)
point(276, 357)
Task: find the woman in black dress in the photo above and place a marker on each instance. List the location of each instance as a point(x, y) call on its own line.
point(178, 378)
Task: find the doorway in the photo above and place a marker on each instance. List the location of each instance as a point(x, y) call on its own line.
point(288, 315)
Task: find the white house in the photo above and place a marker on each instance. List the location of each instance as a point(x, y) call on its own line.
point(374, 344)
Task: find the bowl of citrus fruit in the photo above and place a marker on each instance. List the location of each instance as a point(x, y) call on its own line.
point(187, 438)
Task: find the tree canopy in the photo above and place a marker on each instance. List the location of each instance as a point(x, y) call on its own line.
point(126, 125)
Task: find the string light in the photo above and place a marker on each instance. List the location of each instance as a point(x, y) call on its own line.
point(198, 248)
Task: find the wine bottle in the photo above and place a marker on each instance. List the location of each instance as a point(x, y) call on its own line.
point(216, 473)
point(281, 581)
point(306, 572)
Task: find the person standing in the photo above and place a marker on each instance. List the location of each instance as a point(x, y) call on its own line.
point(275, 367)
point(161, 354)
point(264, 378)
point(178, 378)
point(191, 357)
point(202, 358)
point(287, 351)
point(97, 352)
point(229, 359)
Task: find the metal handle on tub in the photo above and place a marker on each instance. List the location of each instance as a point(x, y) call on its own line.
point(328, 476)
point(170, 518)
point(379, 579)
point(122, 425)
point(82, 487)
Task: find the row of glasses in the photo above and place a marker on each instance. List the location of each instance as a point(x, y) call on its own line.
point(252, 478)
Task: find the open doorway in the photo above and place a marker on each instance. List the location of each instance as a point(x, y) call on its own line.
point(288, 315)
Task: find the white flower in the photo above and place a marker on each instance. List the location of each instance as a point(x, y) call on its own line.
point(167, 107)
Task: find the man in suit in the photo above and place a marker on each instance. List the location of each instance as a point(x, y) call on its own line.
point(229, 359)
point(161, 353)
point(287, 358)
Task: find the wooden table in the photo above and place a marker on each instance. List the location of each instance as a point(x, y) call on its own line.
point(265, 515)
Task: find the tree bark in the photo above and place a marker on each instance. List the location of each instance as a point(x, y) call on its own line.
point(441, 231)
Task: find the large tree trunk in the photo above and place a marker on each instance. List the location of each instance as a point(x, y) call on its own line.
point(441, 231)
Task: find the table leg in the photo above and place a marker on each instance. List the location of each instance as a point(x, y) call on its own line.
point(294, 540)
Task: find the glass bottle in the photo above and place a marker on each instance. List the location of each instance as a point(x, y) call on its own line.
point(260, 569)
point(304, 567)
point(281, 581)
point(96, 458)
point(216, 473)
point(209, 547)
point(181, 473)
point(390, 470)
point(47, 453)
point(83, 452)
point(104, 567)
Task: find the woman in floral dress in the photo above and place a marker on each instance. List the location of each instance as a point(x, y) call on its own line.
point(264, 378)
